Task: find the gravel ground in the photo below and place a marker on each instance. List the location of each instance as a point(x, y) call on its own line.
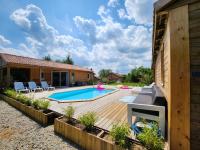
point(18, 132)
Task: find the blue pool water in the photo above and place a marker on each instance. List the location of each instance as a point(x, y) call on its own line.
point(82, 94)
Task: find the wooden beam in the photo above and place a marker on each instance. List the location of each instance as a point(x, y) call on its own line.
point(161, 3)
point(8, 79)
point(179, 106)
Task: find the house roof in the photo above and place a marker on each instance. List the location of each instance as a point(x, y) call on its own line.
point(14, 59)
point(117, 74)
point(160, 4)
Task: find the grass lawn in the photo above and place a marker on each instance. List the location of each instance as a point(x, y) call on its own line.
point(128, 83)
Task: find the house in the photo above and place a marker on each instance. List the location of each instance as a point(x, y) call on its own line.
point(24, 69)
point(176, 65)
point(115, 77)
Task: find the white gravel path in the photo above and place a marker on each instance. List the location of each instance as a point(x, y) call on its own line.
point(18, 132)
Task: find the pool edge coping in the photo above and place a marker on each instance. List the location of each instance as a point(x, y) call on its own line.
point(83, 100)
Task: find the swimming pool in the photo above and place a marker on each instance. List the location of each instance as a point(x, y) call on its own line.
point(80, 95)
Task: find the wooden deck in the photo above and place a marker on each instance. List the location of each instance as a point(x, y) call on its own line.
point(108, 109)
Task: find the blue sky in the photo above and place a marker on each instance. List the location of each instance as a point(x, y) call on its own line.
point(110, 34)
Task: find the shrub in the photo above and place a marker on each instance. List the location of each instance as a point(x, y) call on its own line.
point(28, 101)
point(10, 93)
point(21, 98)
point(119, 134)
point(69, 112)
point(149, 137)
point(43, 104)
point(88, 120)
point(35, 103)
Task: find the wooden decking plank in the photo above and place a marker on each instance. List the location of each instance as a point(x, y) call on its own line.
point(110, 112)
point(115, 118)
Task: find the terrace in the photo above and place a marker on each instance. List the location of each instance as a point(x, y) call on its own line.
point(108, 108)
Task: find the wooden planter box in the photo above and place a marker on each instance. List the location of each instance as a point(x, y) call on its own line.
point(87, 140)
point(38, 115)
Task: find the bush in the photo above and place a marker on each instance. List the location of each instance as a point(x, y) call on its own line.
point(149, 137)
point(88, 120)
point(69, 112)
point(19, 97)
point(35, 103)
point(43, 104)
point(28, 102)
point(23, 99)
point(10, 93)
point(119, 134)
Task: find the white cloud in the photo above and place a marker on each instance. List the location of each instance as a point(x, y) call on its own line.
point(138, 10)
point(43, 39)
point(112, 45)
point(117, 47)
point(4, 41)
point(122, 14)
point(112, 3)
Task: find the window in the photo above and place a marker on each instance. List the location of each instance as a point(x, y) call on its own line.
point(42, 77)
point(162, 66)
point(73, 77)
point(88, 76)
point(20, 74)
point(1, 74)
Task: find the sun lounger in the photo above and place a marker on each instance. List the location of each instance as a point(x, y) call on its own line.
point(19, 87)
point(45, 86)
point(33, 87)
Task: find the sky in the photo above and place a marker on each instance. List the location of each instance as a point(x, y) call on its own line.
point(98, 34)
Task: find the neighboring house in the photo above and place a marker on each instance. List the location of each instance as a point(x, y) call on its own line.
point(24, 69)
point(176, 64)
point(115, 77)
point(96, 79)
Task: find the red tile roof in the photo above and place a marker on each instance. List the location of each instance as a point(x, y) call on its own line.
point(14, 59)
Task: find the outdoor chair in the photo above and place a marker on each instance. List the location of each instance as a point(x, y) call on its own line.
point(33, 87)
point(143, 90)
point(46, 86)
point(149, 106)
point(19, 87)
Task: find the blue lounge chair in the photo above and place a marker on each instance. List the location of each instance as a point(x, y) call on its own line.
point(33, 87)
point(45, 86)
point(19, 87)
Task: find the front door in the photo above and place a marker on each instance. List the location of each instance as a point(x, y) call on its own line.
point(56, 79)
point(63, 79)
point(60, 78)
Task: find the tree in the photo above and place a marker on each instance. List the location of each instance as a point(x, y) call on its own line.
point(47, 58)
point(68, 60)
point(104, 73)
point(58, 61)
point(141, 74)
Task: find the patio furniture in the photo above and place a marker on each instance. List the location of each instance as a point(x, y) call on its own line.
point(19, 87)
point(127, 99)
point(149, 106)
point(46, 86)
point(143, 90)
point(33, 87)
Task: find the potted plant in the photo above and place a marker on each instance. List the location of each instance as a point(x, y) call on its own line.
point(88, 120)
point(119, 134)
point(44, 105)
point(69, 113)
point(150, 138)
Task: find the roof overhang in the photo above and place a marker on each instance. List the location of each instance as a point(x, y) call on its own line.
point(159, 26)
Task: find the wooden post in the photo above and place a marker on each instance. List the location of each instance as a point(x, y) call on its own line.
point(8, 80)
point(179, 105)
